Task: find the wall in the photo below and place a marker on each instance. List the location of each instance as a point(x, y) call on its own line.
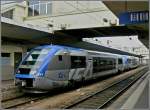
point(75, 14)
point(9, 48)
point(83, 20)
point(19, 14)
point(69, 7)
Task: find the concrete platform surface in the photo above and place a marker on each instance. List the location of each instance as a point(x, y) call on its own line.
point(7, 84)
point(140, 97)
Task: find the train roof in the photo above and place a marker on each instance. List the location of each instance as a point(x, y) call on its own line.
point(58, 47)
point(78, 49)
point(72, 48)
point(103, 53)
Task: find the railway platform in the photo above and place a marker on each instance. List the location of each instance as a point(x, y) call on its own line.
point(9, 90)
point(139, 99)
point(7, 84)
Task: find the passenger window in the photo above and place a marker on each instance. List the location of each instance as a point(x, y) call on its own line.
point(103, 64)
point(60, 57)
point(119, 61)
point(78, 62)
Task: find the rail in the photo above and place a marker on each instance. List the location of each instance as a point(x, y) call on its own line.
point(100, 99)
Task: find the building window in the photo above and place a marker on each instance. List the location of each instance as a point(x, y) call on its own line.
point(43, 9)
point(36, 10)
point(5, 58)
point(8, 14)
point(5, 54)
point(30, 11)
point(33, 2)
point(49, 8)
point(39, 8)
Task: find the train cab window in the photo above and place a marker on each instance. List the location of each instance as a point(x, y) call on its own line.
point(60, 57)
point(35, 56)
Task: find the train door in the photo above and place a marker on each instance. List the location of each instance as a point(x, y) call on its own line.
point(120, 64)
point(17, 59)
point(66, 58)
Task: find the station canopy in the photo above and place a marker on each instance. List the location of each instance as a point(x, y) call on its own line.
point(14, 30)
point(24, 35)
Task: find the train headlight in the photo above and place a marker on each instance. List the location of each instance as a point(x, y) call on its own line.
point(23, 83)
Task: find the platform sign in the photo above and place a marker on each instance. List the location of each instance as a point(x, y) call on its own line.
point(135, 17)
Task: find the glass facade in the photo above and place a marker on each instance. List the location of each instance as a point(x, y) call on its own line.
point(36, 8)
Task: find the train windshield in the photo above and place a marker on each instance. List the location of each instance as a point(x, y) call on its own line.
point(33, 61)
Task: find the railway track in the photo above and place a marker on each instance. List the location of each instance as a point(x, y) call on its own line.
point(25, 99)
point(11, 94)
point(101, 99)
point(13, 103)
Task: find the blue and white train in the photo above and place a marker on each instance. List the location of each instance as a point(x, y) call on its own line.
point(53, 66)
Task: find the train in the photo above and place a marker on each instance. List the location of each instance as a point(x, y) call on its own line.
point(53, 66)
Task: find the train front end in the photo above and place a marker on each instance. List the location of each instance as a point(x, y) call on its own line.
point(30, 73)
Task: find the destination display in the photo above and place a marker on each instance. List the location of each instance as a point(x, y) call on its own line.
point(135, 17)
